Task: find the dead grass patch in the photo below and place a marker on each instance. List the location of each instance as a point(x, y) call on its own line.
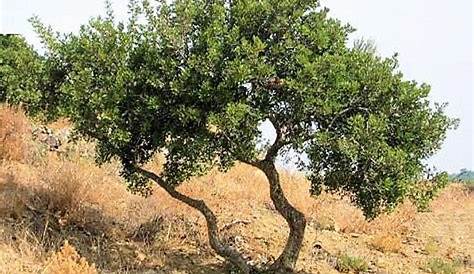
point(68, 261)
point(387, 242)
point(15, 135)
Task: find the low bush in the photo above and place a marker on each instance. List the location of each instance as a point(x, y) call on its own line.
point(439, 266)
point(387, 242)
point(348, 263)
point(68, 261)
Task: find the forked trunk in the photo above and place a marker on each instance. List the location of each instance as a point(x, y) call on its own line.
point(286, 262)
point(296, 220)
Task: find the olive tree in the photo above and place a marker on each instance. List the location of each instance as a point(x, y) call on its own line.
point(195, 79)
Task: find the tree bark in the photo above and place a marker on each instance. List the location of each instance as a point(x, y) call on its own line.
point(296, 220)
point(221, 248)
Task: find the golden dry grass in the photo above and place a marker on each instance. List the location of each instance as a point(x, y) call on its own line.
point(14, 135)
point(68, 261)
point(49, 197)
point(387, 242)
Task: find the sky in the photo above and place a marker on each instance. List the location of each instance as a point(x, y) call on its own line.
point(434, 40)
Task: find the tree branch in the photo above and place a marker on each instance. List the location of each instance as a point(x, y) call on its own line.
point(221, 248)
point(256, 163)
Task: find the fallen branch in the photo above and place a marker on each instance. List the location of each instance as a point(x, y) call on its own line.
point(235, 222)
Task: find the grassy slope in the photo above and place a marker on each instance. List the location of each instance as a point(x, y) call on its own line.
point(49, 197)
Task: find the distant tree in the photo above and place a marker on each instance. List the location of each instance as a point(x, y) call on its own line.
point(464, 175)
point(195, 79)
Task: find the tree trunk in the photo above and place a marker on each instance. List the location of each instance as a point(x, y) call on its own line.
point(221, 248)
point(296, 220)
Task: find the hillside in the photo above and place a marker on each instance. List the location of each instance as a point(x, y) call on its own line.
point(464, 176)
point(58, 198)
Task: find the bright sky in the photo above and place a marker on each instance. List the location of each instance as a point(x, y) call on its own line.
point(434, 39)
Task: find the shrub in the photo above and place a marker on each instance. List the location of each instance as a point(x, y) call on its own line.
point(439, 266)
point(68, 261)
point(29, 79)
point(431, 247)
point(387, 242)
point(347, 263)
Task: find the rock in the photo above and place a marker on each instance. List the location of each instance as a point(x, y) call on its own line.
point(410, 240)
point(46, 136)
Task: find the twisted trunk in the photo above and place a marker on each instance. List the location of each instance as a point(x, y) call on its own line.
point(221, 248)
point(296, 220)
point(286, 262)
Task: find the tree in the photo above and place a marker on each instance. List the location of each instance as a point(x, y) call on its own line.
point(464, 175)
point(195, 79)
point(29, 79)
point(19, 67)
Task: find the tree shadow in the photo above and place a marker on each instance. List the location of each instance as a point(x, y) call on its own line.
point(92, 233)
point(36, 212)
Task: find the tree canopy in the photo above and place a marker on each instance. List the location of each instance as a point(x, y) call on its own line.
point(195, 79)
point(17, 61)
point(29, 79)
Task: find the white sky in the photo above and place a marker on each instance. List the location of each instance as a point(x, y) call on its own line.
point(434, 39)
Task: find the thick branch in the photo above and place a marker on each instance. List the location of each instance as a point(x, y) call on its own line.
point(254, 163)
point(221, 248)
point(271, 153)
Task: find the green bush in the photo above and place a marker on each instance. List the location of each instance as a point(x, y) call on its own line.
point(438, 266)
point(347, 263)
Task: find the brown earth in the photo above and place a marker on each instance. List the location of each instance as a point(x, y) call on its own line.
point(50, 197)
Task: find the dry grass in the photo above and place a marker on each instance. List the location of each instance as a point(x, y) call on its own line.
point(20, 259)
point(48, 198)
point(387, 242)
point(15, 134)
point(68, 261)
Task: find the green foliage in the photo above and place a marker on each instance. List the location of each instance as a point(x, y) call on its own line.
point(194, 79)
point(346, 263)
point(20, 68)
point(28, 79)
point(374, 133)
point(439, 266)
point(424, 191)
